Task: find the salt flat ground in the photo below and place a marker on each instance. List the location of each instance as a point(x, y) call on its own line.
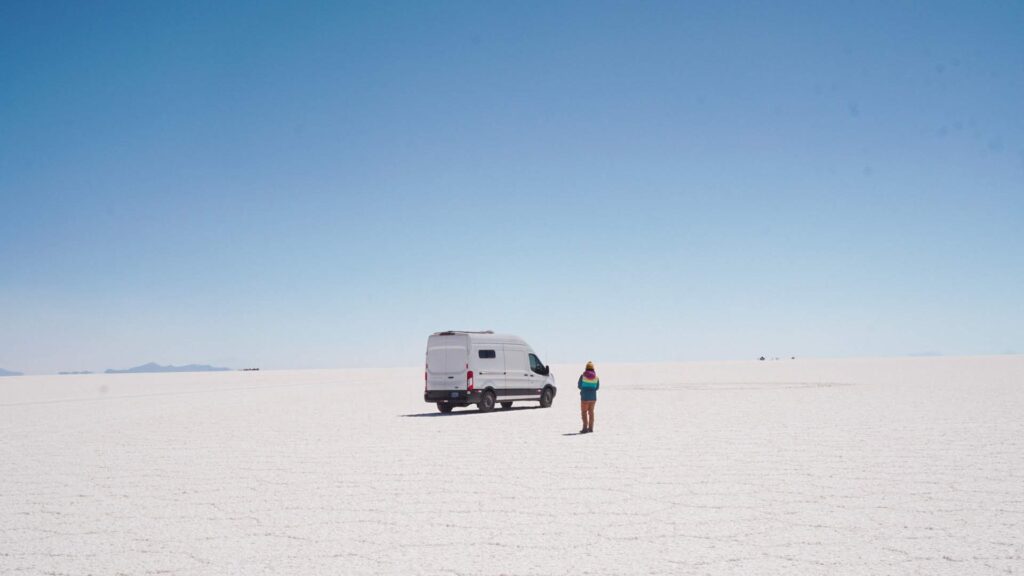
point(879, 466)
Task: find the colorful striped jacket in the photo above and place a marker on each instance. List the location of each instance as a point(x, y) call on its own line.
point(588, 385)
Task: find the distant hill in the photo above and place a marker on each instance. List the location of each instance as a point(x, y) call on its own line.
point(74, 372)
point(9, 373)
point(154, 367)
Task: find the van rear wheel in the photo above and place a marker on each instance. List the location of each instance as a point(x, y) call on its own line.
point(486, 403)
point(546, 398)
point(506, 405)
point(444, 407)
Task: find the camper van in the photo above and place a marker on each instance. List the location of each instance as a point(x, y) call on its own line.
point(484, 368)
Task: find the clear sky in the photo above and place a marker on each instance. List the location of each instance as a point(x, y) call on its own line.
point(292, 185)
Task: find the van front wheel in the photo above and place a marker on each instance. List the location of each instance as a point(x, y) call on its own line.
point(486, 402)
point(546, 398)
point(444, 407)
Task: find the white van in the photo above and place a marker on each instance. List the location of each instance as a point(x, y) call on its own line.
point(484, 368)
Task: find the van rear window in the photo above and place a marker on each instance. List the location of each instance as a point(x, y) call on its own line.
point(487, 354)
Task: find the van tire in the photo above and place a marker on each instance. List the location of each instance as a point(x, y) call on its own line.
point(444, 407)
point(506, 405)
point(546, 398)
point(486, 403)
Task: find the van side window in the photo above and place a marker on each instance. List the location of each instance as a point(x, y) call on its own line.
point(537, 366)
point(486, 354)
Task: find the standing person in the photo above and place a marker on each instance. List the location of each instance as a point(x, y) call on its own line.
point(588, 385)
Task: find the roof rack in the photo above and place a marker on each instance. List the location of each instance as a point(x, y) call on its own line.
point(454, 332)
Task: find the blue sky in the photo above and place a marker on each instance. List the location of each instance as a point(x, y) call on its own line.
point(292, 185)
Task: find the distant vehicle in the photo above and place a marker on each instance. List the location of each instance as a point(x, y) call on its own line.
point(484, 368)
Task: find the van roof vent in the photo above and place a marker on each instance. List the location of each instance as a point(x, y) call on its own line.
point(454, 332)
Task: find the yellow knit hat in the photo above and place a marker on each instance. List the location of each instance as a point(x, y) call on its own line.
point(590, 365)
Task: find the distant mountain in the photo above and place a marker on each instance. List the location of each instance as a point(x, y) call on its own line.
point(9, 373)
point(74, 372)
point(154, 367)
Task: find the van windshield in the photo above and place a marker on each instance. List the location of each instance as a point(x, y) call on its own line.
point(536, 365)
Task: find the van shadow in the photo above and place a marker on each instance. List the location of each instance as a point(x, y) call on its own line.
point(468, 412)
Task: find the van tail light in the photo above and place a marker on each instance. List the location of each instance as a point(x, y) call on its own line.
point(425, 378)
point(469, 380)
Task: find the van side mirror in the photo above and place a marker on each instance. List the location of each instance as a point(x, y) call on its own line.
point(547, 370)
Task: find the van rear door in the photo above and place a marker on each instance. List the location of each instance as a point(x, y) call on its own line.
point(447, 358)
